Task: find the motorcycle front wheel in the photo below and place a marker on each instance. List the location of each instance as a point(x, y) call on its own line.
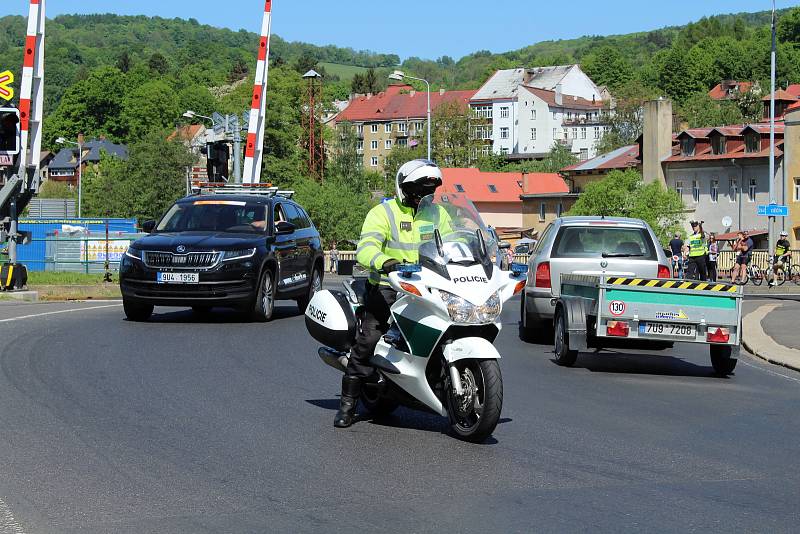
point(474, 415)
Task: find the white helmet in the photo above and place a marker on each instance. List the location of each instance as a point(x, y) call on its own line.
point(416, 179)
point(784, 233)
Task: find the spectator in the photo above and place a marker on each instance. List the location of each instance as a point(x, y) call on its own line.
point(744, 250)
point(713, 251)
point(334, 258)
point(676, 246)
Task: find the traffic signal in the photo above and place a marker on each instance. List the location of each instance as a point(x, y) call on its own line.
point(9, 131)
point(218, 154)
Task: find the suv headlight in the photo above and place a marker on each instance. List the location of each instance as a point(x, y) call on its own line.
point(134, 253)
point(463, 311)
point(241, 254)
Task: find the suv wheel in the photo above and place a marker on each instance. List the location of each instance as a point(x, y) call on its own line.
point(265, 298)
point(313, 287)
point(135, 311)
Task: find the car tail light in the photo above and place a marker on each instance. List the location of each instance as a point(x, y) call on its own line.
point(543, 275)
point(617, 328)
point(663, 272)
point(717, 335)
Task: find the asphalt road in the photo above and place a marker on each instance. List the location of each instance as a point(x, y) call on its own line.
point(214, 426)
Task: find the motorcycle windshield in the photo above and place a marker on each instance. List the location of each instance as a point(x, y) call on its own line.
point(465, 239)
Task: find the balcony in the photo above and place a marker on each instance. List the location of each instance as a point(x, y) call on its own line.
point(402, 133)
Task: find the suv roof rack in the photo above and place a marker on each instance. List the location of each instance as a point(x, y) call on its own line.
point(222, 188)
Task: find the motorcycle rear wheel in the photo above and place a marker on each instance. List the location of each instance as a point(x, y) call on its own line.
point(474, 417)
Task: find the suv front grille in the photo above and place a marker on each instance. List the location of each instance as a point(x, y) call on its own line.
point(191, 260)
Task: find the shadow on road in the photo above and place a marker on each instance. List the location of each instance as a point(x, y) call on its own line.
point(643, 364)
point(220, 315)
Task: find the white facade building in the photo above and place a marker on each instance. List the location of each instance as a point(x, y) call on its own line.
point(528, 110)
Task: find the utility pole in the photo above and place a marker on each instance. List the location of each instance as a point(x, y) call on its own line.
point(771, 228)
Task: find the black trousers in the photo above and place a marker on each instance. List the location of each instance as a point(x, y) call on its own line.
point(712, 271)
point(698, 267)
point(373, 322)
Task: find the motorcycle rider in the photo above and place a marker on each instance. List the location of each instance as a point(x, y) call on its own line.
point(387, 239)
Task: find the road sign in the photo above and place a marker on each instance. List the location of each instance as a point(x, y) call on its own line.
point(773, 210)
point(6, 79)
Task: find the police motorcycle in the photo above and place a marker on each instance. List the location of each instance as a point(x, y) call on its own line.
point(438, 354)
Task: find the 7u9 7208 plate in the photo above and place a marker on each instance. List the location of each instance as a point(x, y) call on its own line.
point(666, 329)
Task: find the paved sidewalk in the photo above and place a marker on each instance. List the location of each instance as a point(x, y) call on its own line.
point(770, 331)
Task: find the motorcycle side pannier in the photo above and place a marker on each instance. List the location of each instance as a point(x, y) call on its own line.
point(331, 321)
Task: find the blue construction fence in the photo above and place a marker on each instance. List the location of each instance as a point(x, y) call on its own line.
point(79, 245)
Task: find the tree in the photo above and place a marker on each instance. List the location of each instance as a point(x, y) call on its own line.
point(366, 82)
point(151, 106)
point(453, 142)
point(53, 189)
point(124, 62)
point(305, 63)
point(346, 164)
point(701, 111)
point(158, 63)
point(607, 66)
point(337, 210)
point(624, 194)
point(626, 120)
point(789, 26)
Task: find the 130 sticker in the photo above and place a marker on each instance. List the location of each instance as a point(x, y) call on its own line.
point(616, 307)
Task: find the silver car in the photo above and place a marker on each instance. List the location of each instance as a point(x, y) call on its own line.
point(586, 245)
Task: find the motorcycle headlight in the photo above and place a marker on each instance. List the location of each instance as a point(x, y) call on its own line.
point(134, 253)
point(463, 311)
point(242, 254)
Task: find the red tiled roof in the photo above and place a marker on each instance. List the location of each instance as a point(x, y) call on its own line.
point(738, 153)
point(475, 184)
point(398, 102)
point(186, 133)
point(567, 101)
point(622, 158)
point(793, 107)
point(721, 93)
point(794, 90)
point(781, 94)
point(544, 183)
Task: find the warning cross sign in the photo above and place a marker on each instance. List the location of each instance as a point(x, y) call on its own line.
point(6, 79)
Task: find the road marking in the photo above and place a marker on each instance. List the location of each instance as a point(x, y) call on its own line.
point(7, 522)
point(57, 312)
point(769, 371)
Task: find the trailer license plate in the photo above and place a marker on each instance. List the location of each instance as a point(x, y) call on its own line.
point(178, 278)
point(667, 329)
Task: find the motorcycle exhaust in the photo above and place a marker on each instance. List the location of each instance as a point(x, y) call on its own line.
point(337, 360)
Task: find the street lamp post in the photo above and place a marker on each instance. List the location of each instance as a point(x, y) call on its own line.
point(400, 75)
point(62, 141)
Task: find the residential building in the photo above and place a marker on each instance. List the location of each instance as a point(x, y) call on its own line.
point(63, 166)
point(395, 117)
point(194, 136)
point(730, 89)
point(579, 175)
point(545, 197)
point(496, 195)
point(524, 112)
point(790, 192)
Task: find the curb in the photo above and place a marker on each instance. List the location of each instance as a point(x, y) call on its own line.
point(756, 341)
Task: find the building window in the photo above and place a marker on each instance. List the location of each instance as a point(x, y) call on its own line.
point(714, 190)
point(533, 134)
point(504, 150)
point(360, 146)
point(752, 142)
point(751, 191)
point(533, 114)
point(569, 115)
point(483, 112)
point(597, 132)
point(718, 144)
point(559, 209)
point(402, 127)
point(583, 133)
point(459, 188)
point(388, 144)
point(504, 133)
point(360, 129)
point(696, 191)
point(733, 188)
point(679, 187)
point(492, 188)
point(542, 211)
point(374, 161)
point(402, 142)
point(555, 116)
point(485, 150)
point(687, 146)
point(388, 127)
point(574, 133)
point(797, 189)
point(584, 154)
point(373, 145)
point(373, 128)
point(555, 133)
point(504, 112)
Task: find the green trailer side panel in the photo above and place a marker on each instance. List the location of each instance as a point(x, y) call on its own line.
point(720, 301)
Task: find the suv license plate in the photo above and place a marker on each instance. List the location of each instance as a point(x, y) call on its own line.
point(178, 278)
point(666, 329)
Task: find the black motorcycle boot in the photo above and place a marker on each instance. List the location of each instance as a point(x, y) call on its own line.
point(351, 389)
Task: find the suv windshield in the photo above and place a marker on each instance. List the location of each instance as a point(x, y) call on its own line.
point(214, 216)
point(606, 242)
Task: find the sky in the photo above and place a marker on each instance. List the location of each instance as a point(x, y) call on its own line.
point(423, 28)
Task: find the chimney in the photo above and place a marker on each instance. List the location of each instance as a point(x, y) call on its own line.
point(656, 139)
point(527, 76)
point(441, 91)
point(412, 92)
point(81, 139)
point(559, 96)
point(369, 95)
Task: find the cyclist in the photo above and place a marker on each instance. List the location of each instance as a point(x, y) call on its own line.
point(783, 255)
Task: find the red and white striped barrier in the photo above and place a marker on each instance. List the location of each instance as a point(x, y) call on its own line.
point(253, 153)
point(31, 99)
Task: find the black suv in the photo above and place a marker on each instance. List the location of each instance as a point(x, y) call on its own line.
point(235, 250)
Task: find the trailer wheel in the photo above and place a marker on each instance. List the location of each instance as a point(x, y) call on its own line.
point(564, 355)
point(721, 359)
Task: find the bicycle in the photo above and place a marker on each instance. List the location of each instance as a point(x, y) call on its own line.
point(752, 273)
point(791, 272)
